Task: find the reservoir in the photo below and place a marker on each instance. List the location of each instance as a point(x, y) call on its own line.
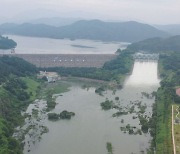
point(36, 45)
point(89, 131)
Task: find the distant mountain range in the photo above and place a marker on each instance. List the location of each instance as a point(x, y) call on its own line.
point(54, 21)
point(93, 29)
point(157, 44)
point(171, 29)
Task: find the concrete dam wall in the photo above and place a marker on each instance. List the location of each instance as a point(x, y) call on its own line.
point(66, 60)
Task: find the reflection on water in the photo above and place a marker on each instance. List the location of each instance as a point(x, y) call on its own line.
point(35, 45)
point(91, 128)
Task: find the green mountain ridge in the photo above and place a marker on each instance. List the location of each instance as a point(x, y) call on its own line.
point(87, 29)
point(14, 97)
point(157, 44)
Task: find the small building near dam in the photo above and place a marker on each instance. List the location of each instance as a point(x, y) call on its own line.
point(50, 76)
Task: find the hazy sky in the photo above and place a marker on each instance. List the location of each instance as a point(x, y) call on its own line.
point(149, 11)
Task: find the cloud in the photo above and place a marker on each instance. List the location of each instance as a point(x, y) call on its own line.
point(150, 11)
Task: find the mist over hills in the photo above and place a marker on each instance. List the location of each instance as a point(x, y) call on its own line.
point(173, 29)
point(54, 21)
point(87, 29)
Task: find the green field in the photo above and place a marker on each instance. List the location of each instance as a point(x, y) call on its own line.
point(32, 87)
point(56, 88)
point(163, 139)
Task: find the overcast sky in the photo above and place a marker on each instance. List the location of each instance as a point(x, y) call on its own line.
point(148, 11)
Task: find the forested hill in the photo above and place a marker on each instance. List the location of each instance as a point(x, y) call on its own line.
point(6, 43)
point(157, 44)
point(93, 29)
point(15, 95)
point(14, 66)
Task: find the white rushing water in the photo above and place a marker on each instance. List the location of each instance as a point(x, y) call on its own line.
point(144, 73)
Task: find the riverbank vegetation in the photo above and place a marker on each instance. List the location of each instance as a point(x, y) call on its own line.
point(51, 103)
point(137, 108)
point(15, 95)
point(132, 130)
point(107, 105)
point(166, 96)
point(109, 148)
point(63, 115)
point(49, 90)
point(100, 90)
point(66, 115)
point(56, 87)
point(53, 116)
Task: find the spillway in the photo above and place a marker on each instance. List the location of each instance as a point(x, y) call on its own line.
point(145, 73)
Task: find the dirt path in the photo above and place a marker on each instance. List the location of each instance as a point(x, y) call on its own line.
point(177, 109)
point(173, 140)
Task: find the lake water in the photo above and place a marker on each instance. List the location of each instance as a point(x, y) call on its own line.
point(91, 128)
point(35, 45)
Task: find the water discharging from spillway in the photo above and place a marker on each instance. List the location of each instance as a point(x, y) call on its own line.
point(144, 73)
point(91, 128)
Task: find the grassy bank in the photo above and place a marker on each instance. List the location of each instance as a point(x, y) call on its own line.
point(57, 87)
point(165, 97)
point(33, 87)
point(161, 130)
point(49, 89)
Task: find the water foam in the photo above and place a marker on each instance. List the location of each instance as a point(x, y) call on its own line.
point(144, 73)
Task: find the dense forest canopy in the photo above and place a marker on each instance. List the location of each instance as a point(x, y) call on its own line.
point(15, 66)
point(157, 44)
point(13, 98)
point(6, 43)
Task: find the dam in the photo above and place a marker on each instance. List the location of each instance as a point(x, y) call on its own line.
point(146, 56)
point(66, 60)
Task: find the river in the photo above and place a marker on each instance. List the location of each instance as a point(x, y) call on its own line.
point(36, 45)
point(91, 128)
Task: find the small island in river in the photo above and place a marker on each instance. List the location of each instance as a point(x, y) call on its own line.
point(81, 46)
